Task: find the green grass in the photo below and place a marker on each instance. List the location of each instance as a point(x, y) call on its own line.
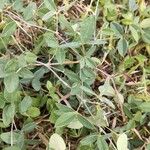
point(75, 75)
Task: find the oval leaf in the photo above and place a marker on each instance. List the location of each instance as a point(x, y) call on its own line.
point(65, 119)
point(122, 46)
point(145, 23)
point(122, 142)
point(56, 142)
point(8, 114)
point(145, 107)
point(11, 82)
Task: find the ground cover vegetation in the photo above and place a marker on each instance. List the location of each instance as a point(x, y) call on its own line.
point(75, 74)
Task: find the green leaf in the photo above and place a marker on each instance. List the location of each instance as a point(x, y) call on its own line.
point(18, 5)
point(91, 51)
point(22, 61)
point(87, 29)
point(36, 84)
point(60, 55)
point(30, 57)
point(65, 119)
point(50, 4)
point(85, 122)
point(148, 146)
point(48, 15)
point(138, 116)
point(29, 127)
point(72, 76)
point(117, 28)
point(110, 11)
point(12, 148)
point(33, 112)
point(99, 119)
point(50, 86)
point(75, 89)
point(2, 4)
point(12, 97)
point(131, 124)
point(89, 140)
point(101, 143)
point(87, 75)
point(50, 40)
point(122, 46)
point(25, 73)
point(6, 137)
point(122, 142)
point(134, 33)
point(25, 104)
point(9, 29)
point(90, 63)
point(108, 31)
point(8, 114)
point(96, 42)
point(146, 35)
point(56, 142)
point(106, 89)
point(63, 108)
point(141, 58)
point(2, 101)
point(127, 21)
point(145, 23)
point(87, 90)
point(2, 72)
point(75, 124)
point(128, 18)
point(65, 24)
point(145, 106)
point(11, 66)
point(11, 82)
point(29, 11)
point(132, 5)
point(70, 45)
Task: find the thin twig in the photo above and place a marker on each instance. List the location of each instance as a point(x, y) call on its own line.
point(49, 67)
point(11, 136)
